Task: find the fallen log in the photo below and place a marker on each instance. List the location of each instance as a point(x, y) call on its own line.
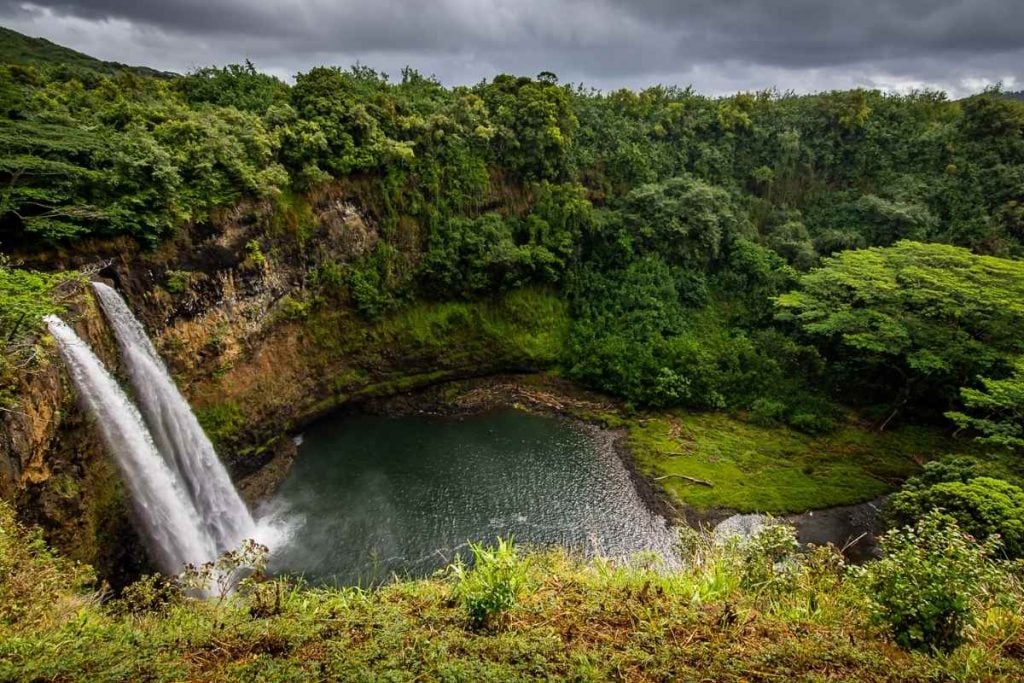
point(693, 480)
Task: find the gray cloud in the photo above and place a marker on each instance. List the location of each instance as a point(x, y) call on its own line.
point(717, 45)
point(815, 32)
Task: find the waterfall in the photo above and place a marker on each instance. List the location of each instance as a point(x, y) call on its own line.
point(176, 431)
point(173, 530)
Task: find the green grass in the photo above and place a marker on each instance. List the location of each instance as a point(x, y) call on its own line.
point(221, 421)
point(569, 620)
point(775, 469)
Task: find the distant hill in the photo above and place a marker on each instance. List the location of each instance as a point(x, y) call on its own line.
point(1018, 95)
point(16, 48)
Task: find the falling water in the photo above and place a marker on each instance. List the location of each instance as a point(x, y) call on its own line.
point(175, 429)
point(172, 528)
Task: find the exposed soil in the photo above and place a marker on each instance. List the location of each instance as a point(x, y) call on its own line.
point(851, 528)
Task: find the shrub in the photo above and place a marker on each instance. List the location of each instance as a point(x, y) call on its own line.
point(178, 281)
point(765, 556)
point(152, 593)
point(767, 413)
point(293, 308)
point(983, 507)
point(31, 575)
point(931, 583)
point(810, 423)
point(220, 577)
point(254, 253)
point(491, 587)
point(960, 468)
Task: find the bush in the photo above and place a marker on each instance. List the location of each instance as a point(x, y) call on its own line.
point(767, 413)
point(810, 423)
point(31, 575)
point(178, 281)
point(247, 563)
point(931, 583)
point(983, 507)
point(153, 593)
point(490, 589)
point(369, 292)
point(960, 468)
point(764, 559)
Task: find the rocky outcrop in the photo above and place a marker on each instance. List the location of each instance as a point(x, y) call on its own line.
point(53, 466)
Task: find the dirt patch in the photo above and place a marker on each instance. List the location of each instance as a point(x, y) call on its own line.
point(541, 394)
point(852, 528)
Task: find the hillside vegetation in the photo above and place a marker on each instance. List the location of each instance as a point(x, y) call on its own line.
point(691, 237)
point(23, 50)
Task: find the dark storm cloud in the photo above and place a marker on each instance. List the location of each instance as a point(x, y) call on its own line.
point(816, 32)
point(716, 44)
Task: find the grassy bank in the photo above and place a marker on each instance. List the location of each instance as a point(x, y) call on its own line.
point(775, 469)
point(568, 620)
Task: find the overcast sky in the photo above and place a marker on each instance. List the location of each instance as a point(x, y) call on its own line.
point(718, 46)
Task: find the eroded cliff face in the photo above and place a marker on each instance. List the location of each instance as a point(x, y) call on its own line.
point(229, 307)
point(54, 467)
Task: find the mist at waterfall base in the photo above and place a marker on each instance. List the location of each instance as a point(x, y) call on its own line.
point(402, 495)
point(188, 510)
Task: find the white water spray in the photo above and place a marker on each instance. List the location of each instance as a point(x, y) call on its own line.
point(172, 528)
point(176, 431)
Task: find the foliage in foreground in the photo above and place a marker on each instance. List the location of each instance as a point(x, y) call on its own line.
point(734, 612)
point(490, 589)
point(928, 587)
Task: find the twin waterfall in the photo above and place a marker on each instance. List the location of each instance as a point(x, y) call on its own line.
point(183, 498)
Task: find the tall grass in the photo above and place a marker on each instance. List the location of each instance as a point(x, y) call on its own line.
point(509, 616)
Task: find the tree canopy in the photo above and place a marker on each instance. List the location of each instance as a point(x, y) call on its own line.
point(932, 316)
point(887, 226)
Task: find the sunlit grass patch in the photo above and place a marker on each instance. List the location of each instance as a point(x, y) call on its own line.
point(776, 469)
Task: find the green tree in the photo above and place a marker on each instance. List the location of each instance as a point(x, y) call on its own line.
point(534, 126)
point(983, 506)
point(235, 85)
point(925, 318)
point(996, 410)
point(684, 219)
point(335, 101)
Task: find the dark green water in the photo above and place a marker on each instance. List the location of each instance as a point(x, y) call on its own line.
point(375, 496)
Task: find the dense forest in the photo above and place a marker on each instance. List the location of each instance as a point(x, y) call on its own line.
point(794, 259)
point(765, 251)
